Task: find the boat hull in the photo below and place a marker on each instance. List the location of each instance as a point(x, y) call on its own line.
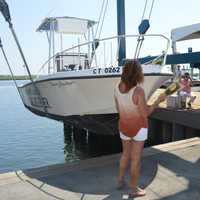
point(84, 101)
point(79, 96)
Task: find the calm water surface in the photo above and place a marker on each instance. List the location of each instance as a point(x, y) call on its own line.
point(29, 141)
point(26, 140)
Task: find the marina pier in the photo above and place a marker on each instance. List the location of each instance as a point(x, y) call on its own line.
point(170, 171)
point(172, 124)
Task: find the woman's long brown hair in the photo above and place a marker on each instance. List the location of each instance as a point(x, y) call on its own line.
point(132, 74)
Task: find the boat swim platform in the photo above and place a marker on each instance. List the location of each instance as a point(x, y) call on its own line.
point(169, 171)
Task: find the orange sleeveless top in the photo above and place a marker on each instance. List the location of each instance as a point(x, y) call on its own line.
point(130, 119)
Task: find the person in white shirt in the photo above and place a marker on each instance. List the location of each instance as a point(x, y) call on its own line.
point(178, 72)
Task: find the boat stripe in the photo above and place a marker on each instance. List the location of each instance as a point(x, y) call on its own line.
point(90, 77)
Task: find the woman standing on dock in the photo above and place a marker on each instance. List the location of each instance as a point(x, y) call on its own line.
point(133, 122)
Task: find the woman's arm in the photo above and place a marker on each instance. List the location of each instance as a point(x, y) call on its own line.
point(139, 99)
point(144, 109)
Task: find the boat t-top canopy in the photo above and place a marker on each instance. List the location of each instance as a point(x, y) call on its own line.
point(67, 25)
point(186, 33)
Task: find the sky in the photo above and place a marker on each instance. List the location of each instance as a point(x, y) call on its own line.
point(27, 15)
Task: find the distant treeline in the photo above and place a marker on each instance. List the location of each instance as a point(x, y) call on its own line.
point(20, 77)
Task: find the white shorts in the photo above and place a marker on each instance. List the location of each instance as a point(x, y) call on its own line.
point(185, 94)
point(141, 135)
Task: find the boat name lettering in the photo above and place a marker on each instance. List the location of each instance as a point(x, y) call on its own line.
point(39, 101)
point(62, 83)
point(107, 70)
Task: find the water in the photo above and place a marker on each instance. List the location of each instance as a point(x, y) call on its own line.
point(29, 141)
point(26, 140)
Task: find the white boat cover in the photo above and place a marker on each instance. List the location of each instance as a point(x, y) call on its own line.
point(66, 25)
point(186, 33)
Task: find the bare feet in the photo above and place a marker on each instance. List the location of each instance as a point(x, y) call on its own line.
point(137, 192)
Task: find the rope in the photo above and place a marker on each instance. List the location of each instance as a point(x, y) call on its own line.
point(151, 9)
point(102, 15)
point(103, 18)
point(26, 65)
point(141, 37)
point(10, 69)
point(144, 9)
point(101, 12)
point(136, 48)
point(139, 46)
point(6, 13)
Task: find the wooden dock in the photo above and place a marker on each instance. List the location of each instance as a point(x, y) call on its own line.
point(195, 105)
point(172, 124)
point(169, 172)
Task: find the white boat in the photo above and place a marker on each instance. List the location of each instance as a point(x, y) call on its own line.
point(76, 85)
point(83, 92)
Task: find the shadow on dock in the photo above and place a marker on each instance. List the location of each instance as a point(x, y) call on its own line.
point(167, 174)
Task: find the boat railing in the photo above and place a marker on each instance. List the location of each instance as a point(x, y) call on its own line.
point(99, 53)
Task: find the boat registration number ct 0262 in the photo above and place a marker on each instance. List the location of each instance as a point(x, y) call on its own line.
point(107, 70)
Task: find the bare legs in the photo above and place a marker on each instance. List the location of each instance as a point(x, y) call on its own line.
point(136, 153)
point(132, 150)
point(126, 145)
